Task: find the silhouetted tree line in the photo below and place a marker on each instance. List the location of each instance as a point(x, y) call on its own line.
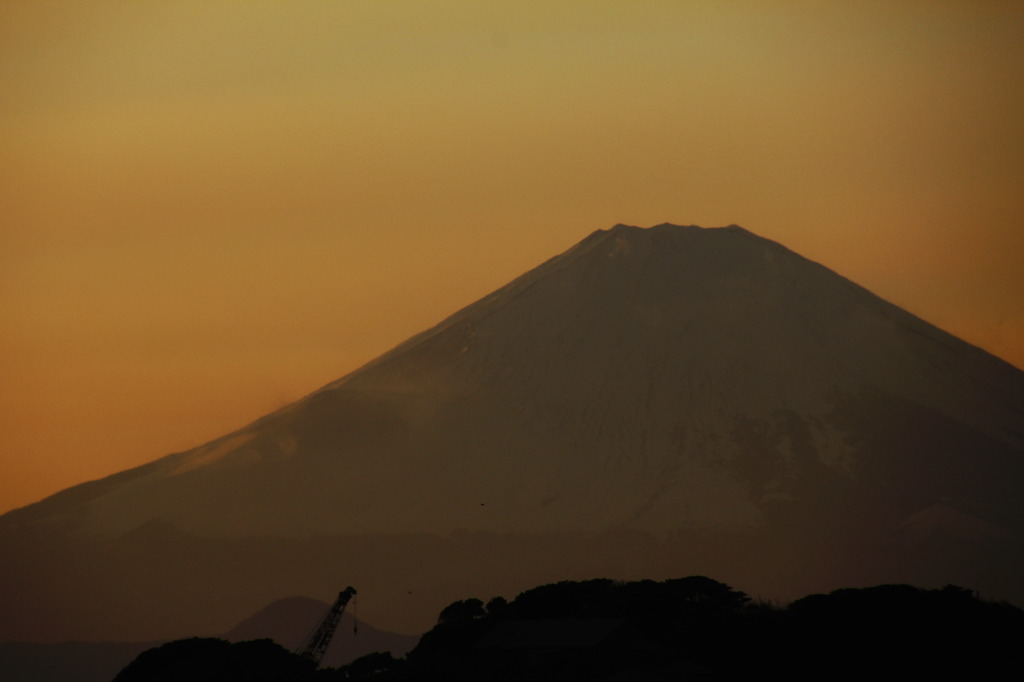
point(684, 629)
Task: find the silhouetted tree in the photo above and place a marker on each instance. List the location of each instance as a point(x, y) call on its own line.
point(497, 607)
point(466, 609)
point(378, 666)
point(907, 631)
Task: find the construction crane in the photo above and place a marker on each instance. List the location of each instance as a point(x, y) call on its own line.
point(315, 645)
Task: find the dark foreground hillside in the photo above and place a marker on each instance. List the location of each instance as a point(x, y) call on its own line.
point(685, 629)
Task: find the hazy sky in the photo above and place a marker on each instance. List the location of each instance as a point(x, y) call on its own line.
point(209, 209)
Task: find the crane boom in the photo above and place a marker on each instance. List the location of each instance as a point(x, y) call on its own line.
point(315, 645)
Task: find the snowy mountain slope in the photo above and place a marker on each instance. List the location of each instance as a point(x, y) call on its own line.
point(669, 381)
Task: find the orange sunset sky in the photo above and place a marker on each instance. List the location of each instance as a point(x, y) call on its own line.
point(209, 209)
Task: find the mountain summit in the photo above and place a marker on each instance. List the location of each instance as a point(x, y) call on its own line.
point(656, 401)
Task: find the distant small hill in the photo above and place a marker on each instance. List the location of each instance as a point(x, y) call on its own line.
point(287, 621)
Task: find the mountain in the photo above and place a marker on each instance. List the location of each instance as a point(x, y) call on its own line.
point(651, 403)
